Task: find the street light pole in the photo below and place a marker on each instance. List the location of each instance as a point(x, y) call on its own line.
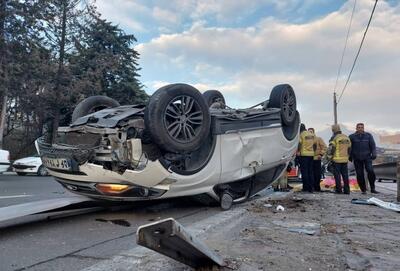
point(398, 179)
point(334, 107)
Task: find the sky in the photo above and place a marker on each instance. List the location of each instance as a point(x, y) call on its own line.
point(244, 48)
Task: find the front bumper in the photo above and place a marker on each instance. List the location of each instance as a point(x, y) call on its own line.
point(25, 168)
point(82, 178)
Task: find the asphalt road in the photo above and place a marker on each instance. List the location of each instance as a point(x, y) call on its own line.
point(76, 242)
point(16, 189)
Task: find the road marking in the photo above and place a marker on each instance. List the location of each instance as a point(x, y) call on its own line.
point(15, 196)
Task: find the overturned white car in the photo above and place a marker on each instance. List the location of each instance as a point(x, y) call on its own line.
point(181, 143)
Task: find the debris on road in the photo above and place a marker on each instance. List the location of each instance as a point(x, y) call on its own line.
point(387, 205)
point(377, 202)
point(300, 230)
point(280, 208)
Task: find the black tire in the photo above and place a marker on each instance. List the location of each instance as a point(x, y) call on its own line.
point(42, 171)
point(173, 126)
point(21, 173)
point(212, 96)
point(291, 131)
point(93, 104)
point(283, 97)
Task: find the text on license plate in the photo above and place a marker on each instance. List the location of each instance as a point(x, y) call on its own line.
point(57, 163)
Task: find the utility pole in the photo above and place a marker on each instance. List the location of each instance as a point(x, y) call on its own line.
point(334, 107)
point(398, 179)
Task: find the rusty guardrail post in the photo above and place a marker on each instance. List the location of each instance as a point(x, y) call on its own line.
point(398, 180)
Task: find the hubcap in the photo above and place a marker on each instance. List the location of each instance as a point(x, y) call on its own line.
point(183, 118)
point(289, 105)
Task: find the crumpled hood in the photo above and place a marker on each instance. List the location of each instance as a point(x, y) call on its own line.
point(110, 117)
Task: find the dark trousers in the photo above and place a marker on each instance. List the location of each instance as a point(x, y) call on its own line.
point(317, 175)
point(359, 165)
point(307, 176)
point(341, 171)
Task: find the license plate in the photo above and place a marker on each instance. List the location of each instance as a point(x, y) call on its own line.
point(57, 163)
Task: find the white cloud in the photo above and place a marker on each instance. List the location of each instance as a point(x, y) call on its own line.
point(124, 13)
point(245, 63)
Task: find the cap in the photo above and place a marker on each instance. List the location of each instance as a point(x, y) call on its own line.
point(335, 128)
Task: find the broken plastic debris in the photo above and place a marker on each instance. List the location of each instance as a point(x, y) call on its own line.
point(268, 205)
point(300, 230)
point(361, 201)
point(280, 208)
point(375, 201)
point(387, 205)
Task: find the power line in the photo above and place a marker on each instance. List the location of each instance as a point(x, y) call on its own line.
point(358, 52)
point(345, 46)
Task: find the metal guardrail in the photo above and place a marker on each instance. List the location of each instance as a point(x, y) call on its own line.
point(386, 170)
point(170, 238)
point(391, 171)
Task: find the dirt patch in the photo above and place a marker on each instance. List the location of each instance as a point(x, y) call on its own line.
point(270, 205)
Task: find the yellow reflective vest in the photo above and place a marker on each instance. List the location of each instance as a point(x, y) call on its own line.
point(306, 144)
point(341, 148)
point(320, 149)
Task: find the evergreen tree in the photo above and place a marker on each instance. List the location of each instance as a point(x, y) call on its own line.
point(107, 62)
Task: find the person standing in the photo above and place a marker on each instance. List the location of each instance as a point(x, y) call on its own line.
point(362, 153)
point(320, 150)
point(306, 154)
point(339, 151)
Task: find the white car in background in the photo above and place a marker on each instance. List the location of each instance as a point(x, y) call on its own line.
point(30, 165)
point(4, 160)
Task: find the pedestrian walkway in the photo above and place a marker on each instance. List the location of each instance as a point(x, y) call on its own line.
point(320, 231)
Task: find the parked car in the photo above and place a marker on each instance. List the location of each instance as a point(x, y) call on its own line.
point(386, 171)
point(181, 143)
point(4, 160)
point(30, 165)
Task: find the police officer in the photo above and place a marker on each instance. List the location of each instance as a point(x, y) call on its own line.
point(363, 151)
point(320, 151)
point(305, 155)
point(339, 151)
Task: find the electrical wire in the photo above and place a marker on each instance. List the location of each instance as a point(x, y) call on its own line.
point(358, 52)
point(345, 46)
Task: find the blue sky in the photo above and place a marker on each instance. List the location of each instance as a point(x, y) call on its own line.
point(244, 48)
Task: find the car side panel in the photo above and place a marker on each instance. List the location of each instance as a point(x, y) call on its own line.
point(231, 156)
point(244, 153)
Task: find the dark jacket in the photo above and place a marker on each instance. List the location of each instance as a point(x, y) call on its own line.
point(362, 146)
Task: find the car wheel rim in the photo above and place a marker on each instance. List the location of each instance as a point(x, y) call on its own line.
point(43, 171)
point(289, 105)
point(183, 118)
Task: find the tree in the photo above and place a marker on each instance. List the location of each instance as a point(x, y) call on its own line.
point(63, 22)
point(107, 63)
point(19, 39)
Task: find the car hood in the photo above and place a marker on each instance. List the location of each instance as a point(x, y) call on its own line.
point(29, 160)
point(110, 117)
